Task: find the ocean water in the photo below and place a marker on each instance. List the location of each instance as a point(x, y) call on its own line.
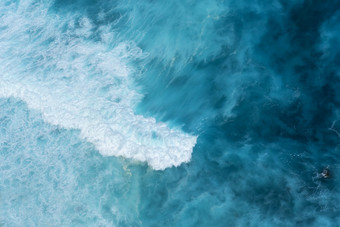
point(169, 113)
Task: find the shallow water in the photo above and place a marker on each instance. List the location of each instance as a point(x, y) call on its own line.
point(169, 113)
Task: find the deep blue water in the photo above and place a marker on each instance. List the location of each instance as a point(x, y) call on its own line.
point(169, 113)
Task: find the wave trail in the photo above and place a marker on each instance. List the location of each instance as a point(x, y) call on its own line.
point(56, 66)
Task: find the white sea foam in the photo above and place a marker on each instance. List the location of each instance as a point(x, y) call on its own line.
point(50, 62)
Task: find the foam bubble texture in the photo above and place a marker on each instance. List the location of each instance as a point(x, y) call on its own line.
point(53, 63)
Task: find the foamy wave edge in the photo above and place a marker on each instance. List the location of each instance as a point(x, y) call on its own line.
point(148, 141)
point(51, 63)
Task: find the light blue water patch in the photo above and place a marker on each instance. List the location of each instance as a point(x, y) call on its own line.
point(50, 177)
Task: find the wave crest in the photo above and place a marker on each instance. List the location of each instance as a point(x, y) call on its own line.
point(53, 63)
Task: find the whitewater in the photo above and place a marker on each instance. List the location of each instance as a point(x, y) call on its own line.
point(53, 65)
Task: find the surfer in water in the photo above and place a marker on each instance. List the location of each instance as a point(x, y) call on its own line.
point(325, 173)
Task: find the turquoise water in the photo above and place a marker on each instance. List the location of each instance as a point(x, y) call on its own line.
point(169, 113)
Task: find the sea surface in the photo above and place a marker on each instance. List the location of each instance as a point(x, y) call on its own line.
point(169, 113)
